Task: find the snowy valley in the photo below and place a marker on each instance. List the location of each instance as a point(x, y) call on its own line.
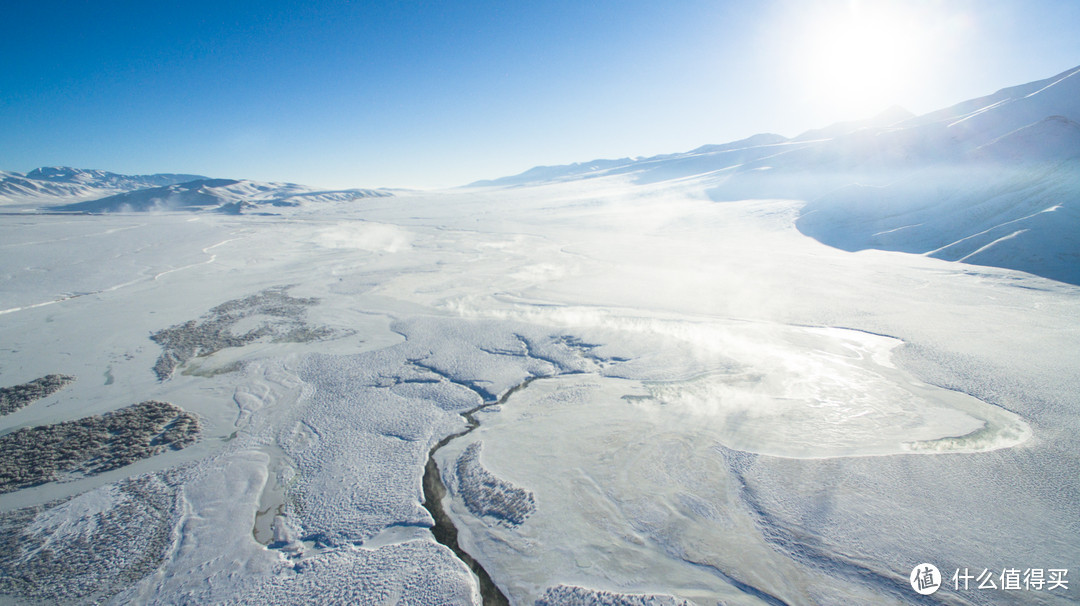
point(776, 371)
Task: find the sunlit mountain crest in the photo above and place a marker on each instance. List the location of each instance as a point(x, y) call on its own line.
point(48, 183)
point(894, 137)
point(222, 195)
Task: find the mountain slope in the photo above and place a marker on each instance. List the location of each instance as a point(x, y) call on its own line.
point(656, 168)
point(58, 184)
point(1007, 199)
point(989, 181)
point(222, 195)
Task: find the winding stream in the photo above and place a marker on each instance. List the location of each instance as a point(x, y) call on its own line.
point(434, 490)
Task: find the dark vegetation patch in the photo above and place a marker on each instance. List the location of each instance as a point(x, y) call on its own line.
point(487, 495)
point(71, 552)
point(569, 595)
point(91, 445)
point(15, 397)
point(278, 318)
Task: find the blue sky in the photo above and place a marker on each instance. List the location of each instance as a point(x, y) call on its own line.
point(430, 94)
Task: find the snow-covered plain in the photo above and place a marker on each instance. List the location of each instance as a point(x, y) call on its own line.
point(678, 399)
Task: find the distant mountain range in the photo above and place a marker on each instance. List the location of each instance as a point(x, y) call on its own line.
point(990, 181)
point(65, 189)
point(52, 183)
point(223, 195)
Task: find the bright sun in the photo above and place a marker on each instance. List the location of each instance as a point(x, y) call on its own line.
point(861, 59)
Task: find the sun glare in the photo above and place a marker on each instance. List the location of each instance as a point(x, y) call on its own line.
point(861, 59)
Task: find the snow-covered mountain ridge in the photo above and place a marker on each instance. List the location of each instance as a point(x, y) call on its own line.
point(47, 184)
point(221, 195)
point(990, 181)
point(894, 138)
point(66, 189)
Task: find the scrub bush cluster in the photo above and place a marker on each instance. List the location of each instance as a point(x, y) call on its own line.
point(94, 444)
point(487, 495)
point(280, 319)
point(15, 397)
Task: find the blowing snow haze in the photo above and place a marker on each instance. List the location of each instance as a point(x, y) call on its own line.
point(838, 367)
